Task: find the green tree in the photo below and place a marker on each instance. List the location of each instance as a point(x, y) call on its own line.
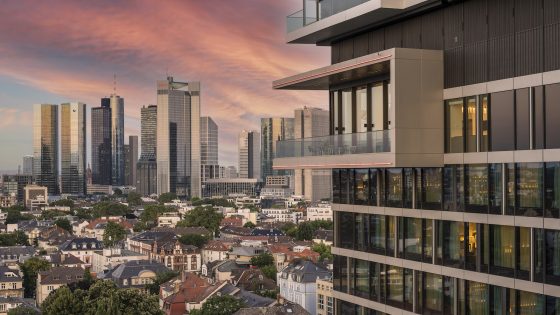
point(220, 305)
point(194, 239)
point(305, 232)
point(23, 310)
point(269, 271)
point(117, 192)
point(107, 208)
point(140, 226)
point(64, 224)
point(151, 213)
point(15, 238)
point(15, 215)
point(30, 269)
point(63, 203)
point(84, 214)
point(161, 278)
point(62, 302)
point(114, 233)
point(262, 260)
point(166, 197)
point(134, 199)
point(202, 216)
point(249, 224)
point(323, 250)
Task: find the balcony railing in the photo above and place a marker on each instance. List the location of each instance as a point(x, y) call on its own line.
point(354, 143)
point(314, 10)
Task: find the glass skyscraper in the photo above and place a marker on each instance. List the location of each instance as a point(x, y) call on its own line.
point(146, 170)
point(208, 149)
point(73, 148)
point(249, 154)
point(101, 149)
point(273, 130)
point(116, 103)
point(45, 146)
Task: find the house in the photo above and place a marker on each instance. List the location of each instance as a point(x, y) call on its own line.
point(11, 284)
point(135, 274)
point(325, 297)
point(297, 283)
point(243, 254)
point(103, 261)
point(78, 227)
point(186, 293)
point(64, 260)
point(9, 303)
point(228, 270)
point(320, 211)
point(254, 280)
point(169, 219)
point(82, 247)
point(144, 242)
point(236, 221)
point(50, 280)
point(214, 250)
point(323, 237)
point(12, 255)
point(96, 228)
point(234, 232)
point(287, 308)
point(51, 238)
point(267, 232)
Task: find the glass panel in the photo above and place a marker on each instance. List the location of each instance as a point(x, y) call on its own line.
point(552, 117)
point(336, 113)
point(343, 274)
point(454, 199)
point(472, 248)
point(477, 298)
point(433, 294)
point(395, 286)
point(361, 186)
point(484, 123)
point(408, 289)
point(510, 186)
point(502, 122)
point(375, 274)
point(552, 256)
point(524, 256)
point(454, 126)
point(394, 194)
point(372, 200)
point(428, 240)
point(552, 305)
point(408, 187)
point(359, 232)
point(448, 295)
point(522, 114)
point(529, 189)
point(391, 234)
point(453, 244)
point(378, 110)
point(502, 254)
point(431, 192)
point(377, 234)
point(347, 111)
point(530, 303)
point(361, 109)
point(476, 177)
point(362, 278)
point(552, 190)
point(345, 229)
point(538, 117)
point(471, 124)
point(413, 239)
point(336, 185)
point(336, 272)
point(344, 183)
point(495, 186)
point(538, 273)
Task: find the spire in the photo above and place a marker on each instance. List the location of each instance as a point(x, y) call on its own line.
point(114, 83)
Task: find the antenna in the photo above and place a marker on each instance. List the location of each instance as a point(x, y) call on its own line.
point(114, 83)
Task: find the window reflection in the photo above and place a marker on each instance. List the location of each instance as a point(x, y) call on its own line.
point(361, 109)
point(394, 186)
point(502, 250)
point(454, 126)
point(471, 124)
point(524, 253)
point(529, 186)
point(552, 190)
point(476, 177)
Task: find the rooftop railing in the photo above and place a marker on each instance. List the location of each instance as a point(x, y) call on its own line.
point(315, 10)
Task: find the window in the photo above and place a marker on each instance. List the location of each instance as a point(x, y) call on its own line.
point(360, 231)
point(453, 191)
point(362, 109)
point(336, 113)
point(372, 199)
point(529, 189)
point(522, 119)
point(394, 187)
point(484, 126)
point(347, 126)
point(377, 233)
point(427, 240)
point(375, 281)
point(431, 189)
point(345, 229)
point(502, 250)
point(194, 265)
point(523, 253)
point(477, 298)
point(378, 107)
point(502, 121)
point(472, 246)
point(552, 190)
point(361, 186)
point(432, 293)
point(495, 172)
point(395, 286)
point(411, 238)
point(530, 303)
point(321, 301)
point(552, 248)
point(552, 117)
point(476, 191)
point(361, 278)
point(452, 239)
point(454, 126)
point(471, 124)
point(391, 235)
point(408, 183)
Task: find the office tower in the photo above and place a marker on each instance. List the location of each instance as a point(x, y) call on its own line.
point(178, 137)
point(273, 130)
point(27, 165)
point(45, 146)
point(15, 184)
point(148, 126)
point(101, 148)
point(116, 104)
point(208, 149)
point(249, 154)
point(73, 148)
point(444, 153)
point(131, 159)
point(313, 184)
point(146, 169)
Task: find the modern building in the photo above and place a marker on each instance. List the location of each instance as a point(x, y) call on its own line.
point(228, 172)
point(131, 160)
point(116, 104)
point(101, 148)
point(27, 165)
point(273, 130)
point(209, 167)
point(45, 146)
point(223, 187)
point(325, 298)
point(178, 137)
point(15, 184)
point(73, 148)
point(444, 152)
point(320, 211)
point(249, 148)
point(35, 193)
point(146, 168)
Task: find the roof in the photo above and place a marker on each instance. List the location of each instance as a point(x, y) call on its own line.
point(326, 235)
point(134, 268)
point(150, 237)
point(305, 271)
point(216, 246)
point(229, 266)
point(61, 275)
point(16, 250)
point(79, 242)
point(184, 230)
point(248, 251)
point(193, 289)
point(102, 222)
point(290, 308)
point(9, 275)
point(240, 231)
point(267, 232)
point(250, 299)
point(64, 259)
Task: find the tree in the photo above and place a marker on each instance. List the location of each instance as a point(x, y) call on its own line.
point(194, 239)
point(249, 224)
point(305, 232)
point(220, 305)
point(323, 250)
point(63, 203)
point(114, 233)
point(151, 213)
point(30, 269)
point(167, 197)
point(23, 310)
point(117, 192)
point(140, 226)
point(269, 271)
point(12, 239)
point(107, 208)
point(261, 260)
point(84, 214)
point(134, 199)
point(161, 278)
point(15, 215)
point(63, 302)
point(202, 216)
point(64, 224)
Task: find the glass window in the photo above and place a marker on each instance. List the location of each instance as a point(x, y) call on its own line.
point(346, 229)
point(538, 117)
point(453, 238)
point(502, 122)
point(360, 232)
point(471, 124)
point(524, 253)
point(477, 298)
point(361, 109)
point(552, 241)
point(454, 142)
point(529, 186)
point(347, 111)
point(428, 240)
point(552, 117)
point(413, 238)
point(337, 263)
point(433, 294)
point(431, 188)
point(484, 128)
point(372, 200)
point(530, 303)
point(408, 187)
point(395, 286)
point(375, 278)
point(343, 274)
point(522, 124)
point(502, 300)
point(394, 187)
point(539, 258)
point(378, 107)
point(377, 234)
point(502, 250)
point(344, 183)
point(336, 185)
point(472, 248)
point(552, 190)
point(476, 178)
point(408, 289)
point(510, 186)
point(391, 234)
point(448, 295)
point(361, 186)
point(495, 172)
point(453, 188)
point(361, 274)
point(552, 305)
point(336, 113)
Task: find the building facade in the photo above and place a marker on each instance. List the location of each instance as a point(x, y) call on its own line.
point(45, 146)
point(232, 186)
point(209, 166)
point(116, 103)
point(27, 165)
point(146, 168)
point(178, 138)
point(249, 143)
point(148, 130)
point(73, 148)
point(101, 149)
point(15, 184)
point(273, 130)
point(443, 150)
point(131, 160)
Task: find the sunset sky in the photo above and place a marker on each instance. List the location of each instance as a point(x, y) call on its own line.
point(59, 51)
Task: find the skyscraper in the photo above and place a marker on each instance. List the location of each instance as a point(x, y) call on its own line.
point(148, 130)
point(249, 143)
point(131, 159)
point(146, 174)
point(116, 103)
point(208, 149)
point(45, 146)
point(178, 137)
point(73, 148)
point(101, 148)
point(272, 130)
point(27, 165)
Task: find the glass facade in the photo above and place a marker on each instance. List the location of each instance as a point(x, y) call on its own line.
point(101, 150)
point(73, 148)
point(46, 146)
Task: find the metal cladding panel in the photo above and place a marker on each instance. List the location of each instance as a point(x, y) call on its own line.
point(335, 52)
point(432, 30)
point(552, 116)
point(347, 50)
point(476, 27)
point(500, 18)
point(551, 47)
point(393, 36)
point(476, 62)
point(551, 11)
point(528, 52)
point(453, 26)
point(361, 45)
point(376, 40)
point(412, 33)
point(501, 58)
point(539, 123)
point(528, 14)
point(453, 64)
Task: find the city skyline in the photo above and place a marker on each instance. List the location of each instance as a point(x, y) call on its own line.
point(237, 79)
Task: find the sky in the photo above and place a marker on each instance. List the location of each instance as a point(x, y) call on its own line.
point(61, 51)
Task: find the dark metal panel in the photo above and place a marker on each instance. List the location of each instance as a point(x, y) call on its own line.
point(432, 30)
point(552, 47)
point(412, 33)
point(500, 18)
point(528, 52)
point(528, 14)
point(453, 65)
point(361, 45)
point(502, 123)
point(522, 117)
point(393, 36)
point(552, 116)
point(347, 50)
point(476, 62)
point(376, 40)
point(476, 26)
point(538, 101)
point(551, 11)
point(335, 52)
point(453, 26)
point(501, 57)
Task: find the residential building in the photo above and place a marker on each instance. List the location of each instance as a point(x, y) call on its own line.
point(8, 200)
point(116, 104)
point(146, 181)
point(243, 254)
point(46, 146)
point(322, 236)
point(81, 247)
point(325, 297)
point(101, 148)
point(178, 139)
point(35, 195)
point(297, 283)
point(273, 130)
point(287, 308)
point(320, 211)
point(10, 303)
point(283, 215)
point(54, 278)
point(249, 148)
point(131, 159)
point(96, 227)
point(285, 253)
point(27, 165)
point(73, 148)
point(443, 140)
point(109, 258)
point(253, 280)
point(135, 274)
point(11, 256)
point(169, 219)
point(214, 250)
point(182, 295)
point(223, 187)
point(209, 166)
point(11, 283)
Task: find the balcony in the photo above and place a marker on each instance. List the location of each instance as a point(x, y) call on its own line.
point(354, 143)
point(314, 10)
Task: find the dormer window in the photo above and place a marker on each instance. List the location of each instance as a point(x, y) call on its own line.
point(74, 246)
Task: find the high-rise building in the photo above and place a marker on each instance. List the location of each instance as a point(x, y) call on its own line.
point(45, 146)
point(116, 103)
point(15, 185)
point(148, 132)
point(249, 143)
point(178, 137)
point(273, 130)
point(443, 147)
point(131, 159)
point(101, 148)
point(209, 166)
point(27, 165)
point(146, 169)
point(73, 148)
